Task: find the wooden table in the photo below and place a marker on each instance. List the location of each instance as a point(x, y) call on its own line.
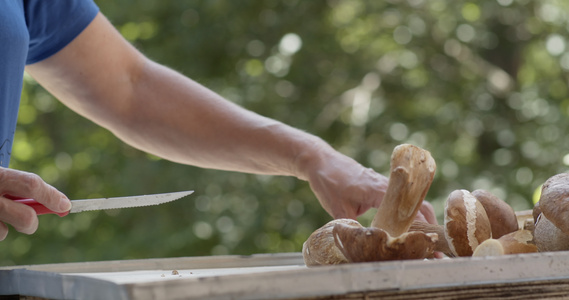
point(284, 276)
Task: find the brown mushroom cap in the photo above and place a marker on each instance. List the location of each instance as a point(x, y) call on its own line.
point(319, 248)
point(554, 201)
point(502, 216)
point(466, 223)
point(373, 244)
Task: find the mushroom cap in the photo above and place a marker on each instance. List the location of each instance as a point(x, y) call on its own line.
point(466, 223)
point(536, 211)
point(549, 237)
point(554, 201)
point(319, 248)
point(502, 216)
point(361, 244)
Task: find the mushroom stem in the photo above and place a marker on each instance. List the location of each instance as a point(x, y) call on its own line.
point(442, 244)
point(412, 171)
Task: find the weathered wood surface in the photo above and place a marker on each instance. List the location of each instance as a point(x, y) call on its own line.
point(283, 276)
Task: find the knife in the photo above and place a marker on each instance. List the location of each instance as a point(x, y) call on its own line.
point(104, 203)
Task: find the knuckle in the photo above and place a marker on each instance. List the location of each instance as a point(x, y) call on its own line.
point(32, 181)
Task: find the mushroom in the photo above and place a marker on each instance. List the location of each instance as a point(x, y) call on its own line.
point(520, 241)
point(551, 231)
point(412, 171)
point(466, 225)
point(441, 245)
point(502, 216)
point(319, 248)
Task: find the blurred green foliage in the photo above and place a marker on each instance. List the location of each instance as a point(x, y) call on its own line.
point(482, 85)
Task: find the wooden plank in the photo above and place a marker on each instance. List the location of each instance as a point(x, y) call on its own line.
point(203, 262)
point(558, 289)
point(280, 276)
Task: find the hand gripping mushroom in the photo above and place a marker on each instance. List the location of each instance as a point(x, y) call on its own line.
point(551, 231)
point(466, 225)
point(412, 171)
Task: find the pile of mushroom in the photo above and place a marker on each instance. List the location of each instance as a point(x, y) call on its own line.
point(475, 223)
point(342, 240)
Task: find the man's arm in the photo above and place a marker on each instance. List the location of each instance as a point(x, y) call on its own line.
point(155, 109)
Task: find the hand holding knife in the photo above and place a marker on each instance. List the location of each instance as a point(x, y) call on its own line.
point(104, 203)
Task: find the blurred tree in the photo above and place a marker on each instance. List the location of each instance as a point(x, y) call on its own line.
point(482, 85)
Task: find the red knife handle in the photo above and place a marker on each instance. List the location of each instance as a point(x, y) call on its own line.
point(38, 207)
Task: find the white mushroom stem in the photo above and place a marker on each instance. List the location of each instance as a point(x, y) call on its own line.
point(412, 171)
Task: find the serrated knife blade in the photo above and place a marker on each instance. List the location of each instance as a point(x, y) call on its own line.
point(125, 202)
point(105, 203)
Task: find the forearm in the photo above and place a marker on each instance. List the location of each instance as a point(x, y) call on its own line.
point(174, 117)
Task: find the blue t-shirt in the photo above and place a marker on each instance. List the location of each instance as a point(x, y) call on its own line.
point(30, 31)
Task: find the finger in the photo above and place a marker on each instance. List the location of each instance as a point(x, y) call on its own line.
point(420, 217)
point(22, 217)
point(428, 212)
point(3, 231)
point(344, 211)
point(344, 215)
point(28, 185)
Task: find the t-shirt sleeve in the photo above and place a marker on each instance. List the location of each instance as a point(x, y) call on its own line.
point(53, 24)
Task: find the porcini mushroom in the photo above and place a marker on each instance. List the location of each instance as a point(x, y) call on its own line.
point(412, 171)
point(319, 248)
point(520, 241)
point(551, 231)
point(466, 225)
point(502, 216)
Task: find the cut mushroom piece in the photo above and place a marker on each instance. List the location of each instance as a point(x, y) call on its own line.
point(551, 231)
point(412, 171)
point(516, 242)
point(466, 223)
point(319, 248)
point(502, 216)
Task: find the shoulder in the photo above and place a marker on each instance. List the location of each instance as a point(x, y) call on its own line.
point(53, 24)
